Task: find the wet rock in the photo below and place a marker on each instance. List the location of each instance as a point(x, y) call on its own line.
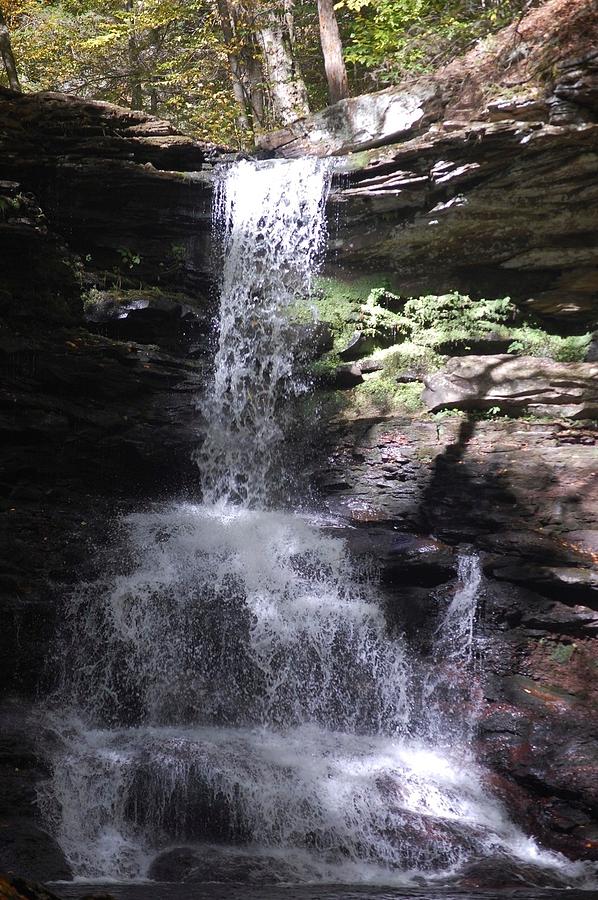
point(192, 811)
point(312, 339)
point(529, 384)
point(407, 559)
point(194, 865)
point(581, 583)
point(504, 874)
point(175, 322)
point(27, 849)
point(16, 888)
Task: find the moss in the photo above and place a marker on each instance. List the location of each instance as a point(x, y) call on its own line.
point(414, 336)
point(348, 306)
point(409, 357)
point(534, 341)
point(383, 394)
point(325, 365)
point(562, 653)
point(459, 310)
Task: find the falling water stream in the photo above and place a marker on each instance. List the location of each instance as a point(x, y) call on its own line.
point(232, 702)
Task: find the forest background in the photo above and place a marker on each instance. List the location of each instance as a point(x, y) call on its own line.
point(227, 70)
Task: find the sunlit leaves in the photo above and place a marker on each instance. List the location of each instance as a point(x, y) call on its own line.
point(393, 38)
point(174, 51)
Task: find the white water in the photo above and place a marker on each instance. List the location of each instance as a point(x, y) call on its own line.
point(450, 684)
point(272, 219)
point(237, 687)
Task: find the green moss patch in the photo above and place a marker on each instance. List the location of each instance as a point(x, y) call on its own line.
point(407, 339)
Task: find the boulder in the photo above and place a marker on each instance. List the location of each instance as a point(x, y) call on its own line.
point(359, 122)
point(28, 850)
point(208, 863)
point(515, 384)
point(347, 375)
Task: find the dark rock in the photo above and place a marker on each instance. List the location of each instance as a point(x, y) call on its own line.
point(82, 158)
point(515, 384)
point(28, 850)
point(461, 480)
point(15, 888)
point(592, 354)
point(347, 375)
point(202, 814)
point(359, 344)
point(175, 322)
point(578, 582)
point(312, 340)
point(504, 874)
point(487, 345)
point(579, 85)
point(195, 865)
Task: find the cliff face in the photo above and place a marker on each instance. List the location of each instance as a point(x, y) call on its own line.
point(523, 494)
point(105, 308)
point(481, 177)
point(104, 314)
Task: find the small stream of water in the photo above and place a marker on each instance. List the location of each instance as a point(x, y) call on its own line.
point(233, 706)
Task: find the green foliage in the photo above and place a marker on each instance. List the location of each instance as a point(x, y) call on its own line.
point(382, 394)
point(128, 257)
point(534, 341)
point(171, 58)
point(348, 306)
point(420, 332)
point(410, 357)
point(394, 38)
point(449, 312)
point(97, 48)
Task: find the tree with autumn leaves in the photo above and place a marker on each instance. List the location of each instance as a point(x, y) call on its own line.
point(231, 69)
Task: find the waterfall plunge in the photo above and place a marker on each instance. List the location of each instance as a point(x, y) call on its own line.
point(271, 217)
point(237, 690)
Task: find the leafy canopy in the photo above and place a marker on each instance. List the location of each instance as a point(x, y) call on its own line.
point(170, 57)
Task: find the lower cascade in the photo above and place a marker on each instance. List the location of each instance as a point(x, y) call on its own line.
point(233, 704)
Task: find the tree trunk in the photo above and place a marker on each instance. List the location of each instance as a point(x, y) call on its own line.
point(134, 65)
point(332, 48)
point(285, 83)
point(234, 63)
point(8, 56)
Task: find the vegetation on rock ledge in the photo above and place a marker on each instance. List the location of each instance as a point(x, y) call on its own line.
point(398, 341)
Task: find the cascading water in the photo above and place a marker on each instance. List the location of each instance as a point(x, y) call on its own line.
point(272, 219)
point(237, 690)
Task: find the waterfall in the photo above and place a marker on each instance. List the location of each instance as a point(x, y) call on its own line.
point(233, 688)
point(450, 692)
point(271, 217)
